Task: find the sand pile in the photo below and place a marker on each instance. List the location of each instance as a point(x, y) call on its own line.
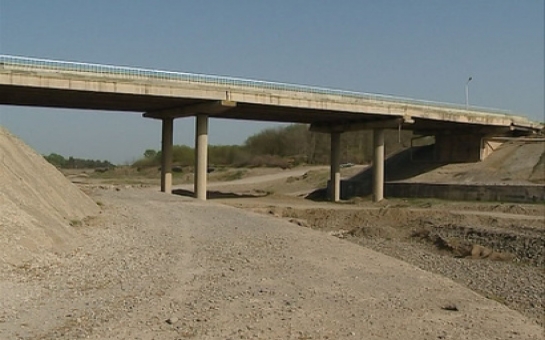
point(37, 204)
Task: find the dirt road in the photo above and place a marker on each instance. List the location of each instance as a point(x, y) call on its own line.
point(258, 179)
point(156, 266)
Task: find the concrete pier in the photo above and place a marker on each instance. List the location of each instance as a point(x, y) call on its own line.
point(378, 165)
point(166, 155)
point(335, 179)
point(201, 156)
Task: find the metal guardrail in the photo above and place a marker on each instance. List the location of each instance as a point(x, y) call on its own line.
point(35, 64)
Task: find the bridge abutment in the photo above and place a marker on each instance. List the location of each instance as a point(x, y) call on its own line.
point(459, 148)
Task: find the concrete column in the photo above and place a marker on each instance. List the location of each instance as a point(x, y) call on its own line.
point(166, 155)
point(201, 156)
point(335, 172)
point(378, 165)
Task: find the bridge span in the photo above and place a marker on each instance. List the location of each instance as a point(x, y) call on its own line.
point(460, 131)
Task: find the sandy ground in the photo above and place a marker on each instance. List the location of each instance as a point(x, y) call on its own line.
point(155, 266)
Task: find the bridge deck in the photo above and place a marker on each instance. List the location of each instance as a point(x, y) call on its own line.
point(48, 83)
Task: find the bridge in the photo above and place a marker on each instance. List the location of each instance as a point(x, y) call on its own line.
point(460, 131)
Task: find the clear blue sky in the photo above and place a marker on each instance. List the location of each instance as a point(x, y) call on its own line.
point(411, 48)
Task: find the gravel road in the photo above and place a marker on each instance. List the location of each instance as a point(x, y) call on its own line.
point(157, 266)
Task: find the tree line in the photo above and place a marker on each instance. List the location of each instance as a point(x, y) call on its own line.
point(285, 147)
point(77, 163)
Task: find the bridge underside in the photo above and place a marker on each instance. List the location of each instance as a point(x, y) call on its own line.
point(162, 107)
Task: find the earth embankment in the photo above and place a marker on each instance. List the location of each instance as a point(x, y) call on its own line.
point(37, 204)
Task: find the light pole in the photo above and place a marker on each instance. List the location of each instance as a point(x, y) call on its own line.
point(467, 92)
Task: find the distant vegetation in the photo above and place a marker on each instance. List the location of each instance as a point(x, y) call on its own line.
point(284, 147)
point(76, 163)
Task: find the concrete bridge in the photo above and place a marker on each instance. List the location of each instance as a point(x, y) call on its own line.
point(460, 131)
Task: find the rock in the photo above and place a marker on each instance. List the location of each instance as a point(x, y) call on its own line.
point(450, 307)
point(480, 252)
point(299, 222)
point(172, 320)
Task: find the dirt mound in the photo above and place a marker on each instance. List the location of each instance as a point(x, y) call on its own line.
point(37, 204)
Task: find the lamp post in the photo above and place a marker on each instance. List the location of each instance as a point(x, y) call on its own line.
point(467, 92)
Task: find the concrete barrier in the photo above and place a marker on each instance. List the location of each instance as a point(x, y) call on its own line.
point(457, 192)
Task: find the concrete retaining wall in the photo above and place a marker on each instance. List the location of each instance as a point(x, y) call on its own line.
point(457, 192)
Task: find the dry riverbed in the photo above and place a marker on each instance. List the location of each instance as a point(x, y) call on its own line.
point(154, 266)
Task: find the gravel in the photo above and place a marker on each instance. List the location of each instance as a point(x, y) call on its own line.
point(155, 266)
point(519, 286)
point(518, 283)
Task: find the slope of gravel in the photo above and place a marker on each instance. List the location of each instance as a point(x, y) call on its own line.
point(519, 286)
point(37, 204)
point(156, 266)
point(518, 282)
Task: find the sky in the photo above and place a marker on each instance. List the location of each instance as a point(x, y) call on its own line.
point(422, 49)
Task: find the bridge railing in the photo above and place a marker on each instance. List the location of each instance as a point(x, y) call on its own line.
point(35, 64)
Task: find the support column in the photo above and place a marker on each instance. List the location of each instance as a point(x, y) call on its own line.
point(335, 172)
point(201, 156)
point(378, 165)
point(166, 155)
